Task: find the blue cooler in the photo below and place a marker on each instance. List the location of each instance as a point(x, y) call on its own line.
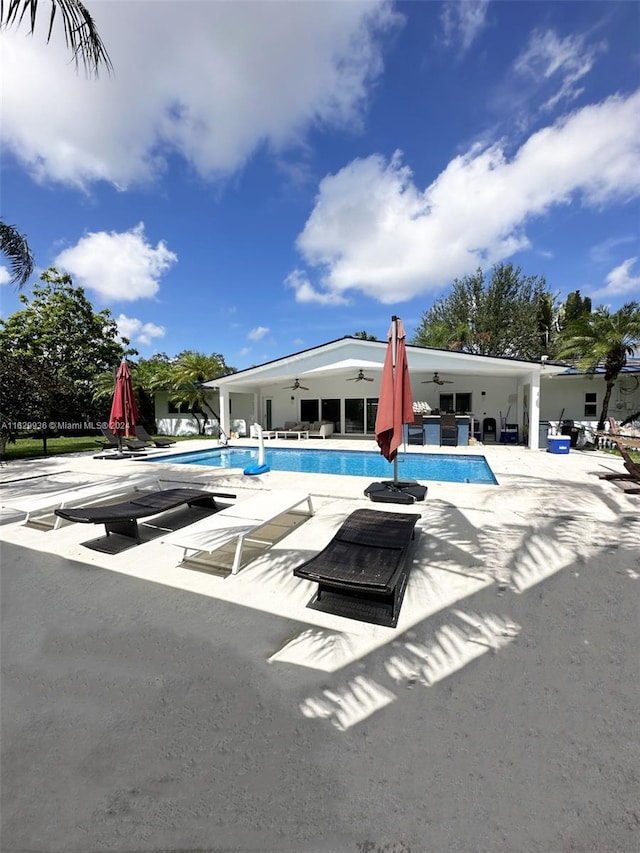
point(558, 443)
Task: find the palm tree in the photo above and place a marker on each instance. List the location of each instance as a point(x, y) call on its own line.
point(80, 31)
point(14, 245)
point(602, 338)
point(189, 370)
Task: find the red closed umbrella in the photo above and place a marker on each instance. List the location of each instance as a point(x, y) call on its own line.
point(124, 412)
point(395, 405)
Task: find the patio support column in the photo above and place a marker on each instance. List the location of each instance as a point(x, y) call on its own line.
point(225, 415)
point(534, 410)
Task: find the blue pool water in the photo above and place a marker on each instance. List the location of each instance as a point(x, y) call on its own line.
point(448, 468)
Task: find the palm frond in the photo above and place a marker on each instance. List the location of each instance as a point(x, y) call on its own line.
point(80, 32)
point(14, 245)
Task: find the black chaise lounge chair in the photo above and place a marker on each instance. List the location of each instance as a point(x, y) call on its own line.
point(143, 435)
point(362, 573)
point(110, 441)
point(122, 518)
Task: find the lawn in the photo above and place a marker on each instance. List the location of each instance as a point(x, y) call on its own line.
point(30, 448)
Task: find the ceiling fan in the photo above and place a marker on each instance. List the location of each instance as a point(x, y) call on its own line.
point(296, 385)
point(360, 377)
point(437, 381)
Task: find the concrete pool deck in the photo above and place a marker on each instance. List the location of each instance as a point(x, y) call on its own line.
point(150, 707)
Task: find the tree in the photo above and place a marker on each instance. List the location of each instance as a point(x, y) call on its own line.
point(364, 336)
point(80, 32)
point(575, 308)
point(23, 395)
point(500, 317)
point(603, 339)
point(63, 345)
point(14, 245)
point(188, 371)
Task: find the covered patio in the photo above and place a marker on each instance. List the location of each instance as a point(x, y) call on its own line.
point(494, 398)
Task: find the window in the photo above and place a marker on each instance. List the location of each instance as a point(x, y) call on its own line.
point(330, 411)
point(372, 411)
point(309, 410)
point(590, 404)
point(354, 415)
point(459, 403)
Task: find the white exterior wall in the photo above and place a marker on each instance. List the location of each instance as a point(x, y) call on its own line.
point(169, 423)
point(565, 395)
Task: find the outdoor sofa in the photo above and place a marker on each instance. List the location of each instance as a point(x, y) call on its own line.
point(321, 429)
point(301, 429)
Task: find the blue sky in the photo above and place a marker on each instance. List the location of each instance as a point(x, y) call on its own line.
point(262, 177)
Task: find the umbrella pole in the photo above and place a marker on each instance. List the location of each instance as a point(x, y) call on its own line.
point(394, 351)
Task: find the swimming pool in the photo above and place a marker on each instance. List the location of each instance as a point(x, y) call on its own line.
point(448, 468)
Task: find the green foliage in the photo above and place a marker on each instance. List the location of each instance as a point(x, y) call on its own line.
point(15, 247)
point(601, 338)
point(147, 376)
point(509, 315)
point(187, 373)
point(181, 377)
point(364, 336)
point(55, 347)
point(575, 308)
point(28, 448)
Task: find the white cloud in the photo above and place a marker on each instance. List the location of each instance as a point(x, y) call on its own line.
point(5, 275)
point(561, 62)
point(621, 282)
point(117, 266)
point(373, 230)
point(606, 251)
point(463, 21)
point(210, 81)
point(137, 331)
point(258, 333)
point(305, 292)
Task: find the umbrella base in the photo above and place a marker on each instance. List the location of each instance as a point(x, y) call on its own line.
point(396, 492)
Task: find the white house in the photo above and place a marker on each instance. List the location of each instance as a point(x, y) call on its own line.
point(339, 382)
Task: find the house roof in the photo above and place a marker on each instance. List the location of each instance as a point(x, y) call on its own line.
point(349, 355)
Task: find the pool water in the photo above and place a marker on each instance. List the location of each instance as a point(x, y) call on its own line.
point(448, 468)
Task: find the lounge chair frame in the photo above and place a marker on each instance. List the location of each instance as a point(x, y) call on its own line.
point(159, 441)
point(632, 473)
point(122, 518)
point(110, 441)
point(40, 509)
point(247, 521)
